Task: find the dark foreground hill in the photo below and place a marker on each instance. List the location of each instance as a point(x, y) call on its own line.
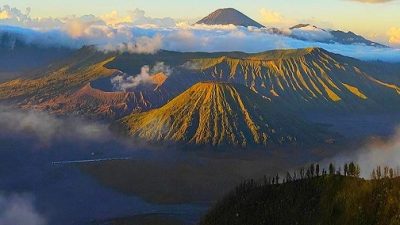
point(330, 200)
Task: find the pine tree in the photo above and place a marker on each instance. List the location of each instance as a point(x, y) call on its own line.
point(351, 169)
point(331, 169)
point(288, 177)
point(358, 171)
point(378, 172)
point(312, 170)
point(373, 174)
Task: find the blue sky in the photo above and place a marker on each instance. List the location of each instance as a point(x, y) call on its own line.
point(373, 20)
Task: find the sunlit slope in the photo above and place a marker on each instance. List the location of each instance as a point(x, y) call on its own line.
point(305, 79)
point(66, 77)
point(220, 114)
point(308, 77)
point(65, 88)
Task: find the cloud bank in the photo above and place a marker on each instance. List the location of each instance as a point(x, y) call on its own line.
point(137, 33)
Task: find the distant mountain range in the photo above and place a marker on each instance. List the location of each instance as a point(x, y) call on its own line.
point(304, 32)
point(304, 79)
point(213, 99)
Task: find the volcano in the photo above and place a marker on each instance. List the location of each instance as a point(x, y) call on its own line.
point(229, 16)
point(220, 114)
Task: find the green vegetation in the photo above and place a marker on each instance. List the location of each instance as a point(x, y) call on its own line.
point(313, 196)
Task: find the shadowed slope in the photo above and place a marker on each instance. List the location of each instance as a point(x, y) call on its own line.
point(220, 114)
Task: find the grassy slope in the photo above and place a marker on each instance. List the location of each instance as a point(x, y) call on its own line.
point(328, 200)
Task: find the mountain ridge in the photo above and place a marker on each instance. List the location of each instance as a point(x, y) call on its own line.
point(308, 79)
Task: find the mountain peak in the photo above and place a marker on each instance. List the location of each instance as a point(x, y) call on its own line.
point(226, 16)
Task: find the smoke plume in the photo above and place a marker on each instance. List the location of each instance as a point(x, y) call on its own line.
point(145, 77)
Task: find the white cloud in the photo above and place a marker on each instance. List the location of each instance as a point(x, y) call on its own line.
point(311, 33)
point(15, 17)
point(269, 17)
point(394, 36)
point(136, 17)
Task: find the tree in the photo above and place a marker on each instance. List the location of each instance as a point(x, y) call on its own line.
point(386, 172)
point(391, 173)
point(312, 170)
point(265, 180)
point(331, 169)
point(373, 174)
point(378, 172)
point(317, 169)
point(302, 173)
point(346, 169)
point(351, 169)
point(358, 171)
point(339, 171)
point(288, 177)
point(308, 173)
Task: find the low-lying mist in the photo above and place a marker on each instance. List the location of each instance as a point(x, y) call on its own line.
point(49, 128)
point(375, 152)
point(19, 209)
